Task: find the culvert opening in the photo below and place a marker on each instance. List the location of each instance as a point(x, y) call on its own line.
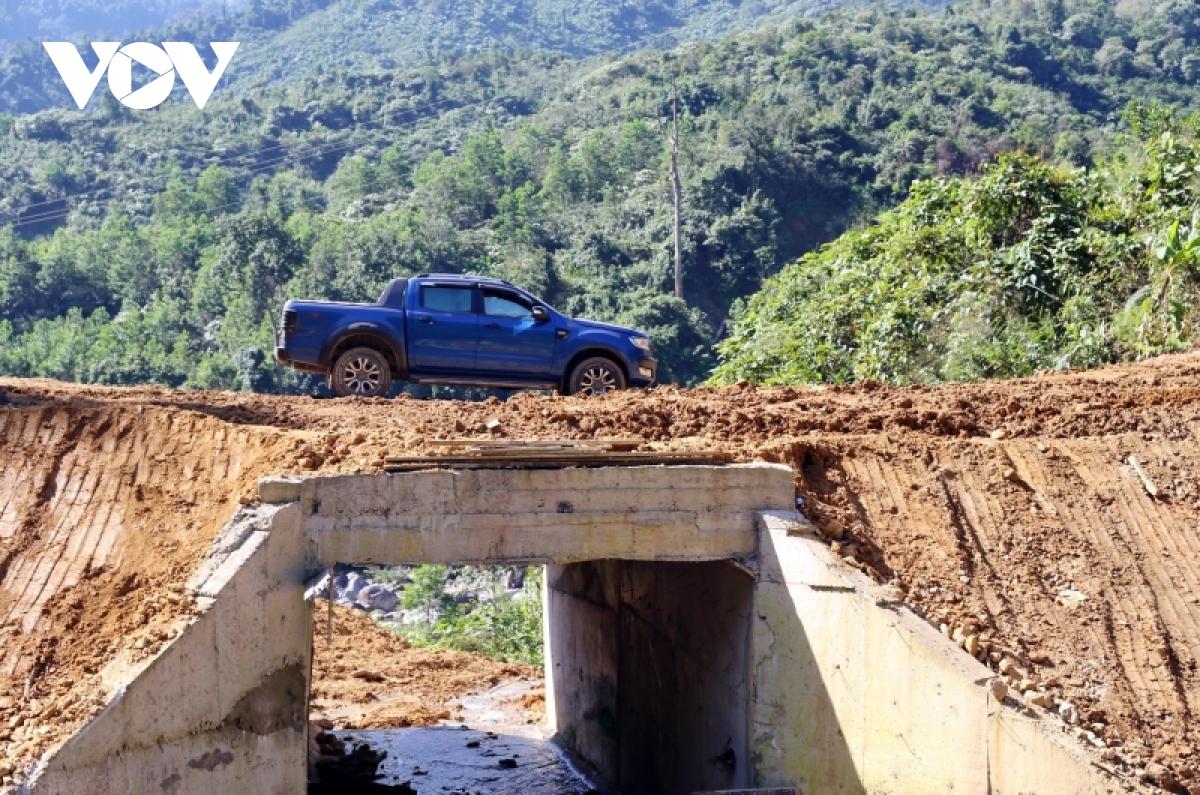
point(648, 663)
point(430, 679)
point(647, 689)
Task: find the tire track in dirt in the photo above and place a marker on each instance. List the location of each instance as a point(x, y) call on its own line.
point(984, 503)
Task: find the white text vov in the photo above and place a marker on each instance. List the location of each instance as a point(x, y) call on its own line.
point(172, 57)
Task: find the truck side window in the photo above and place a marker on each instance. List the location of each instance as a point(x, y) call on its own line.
point(446, 299)
point(498, 304)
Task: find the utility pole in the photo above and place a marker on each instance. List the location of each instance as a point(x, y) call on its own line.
point(675, 189)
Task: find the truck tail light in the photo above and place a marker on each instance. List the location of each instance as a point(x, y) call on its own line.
point(290, 320)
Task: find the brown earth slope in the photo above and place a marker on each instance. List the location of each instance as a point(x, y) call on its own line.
point(371, 678)
point(1051, 522)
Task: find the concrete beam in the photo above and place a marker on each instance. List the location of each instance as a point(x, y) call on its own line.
point(542, 516)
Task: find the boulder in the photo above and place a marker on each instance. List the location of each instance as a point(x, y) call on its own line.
point(346, 591)
point(377, 597)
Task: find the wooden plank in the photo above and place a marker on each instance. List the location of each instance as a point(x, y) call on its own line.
point(518, 443)
point(413, 463)
point(566, 456)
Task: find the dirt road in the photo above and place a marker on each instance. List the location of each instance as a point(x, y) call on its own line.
point(1049, 523)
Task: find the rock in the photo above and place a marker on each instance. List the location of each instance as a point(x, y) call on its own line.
point(493, 425)
point(1025, 685)
point(1006, 665)
point(368, 676)
point(348, 593)
point(1109, 754)
point(1070, 598)
point(377, 597)
point(324, 723)
point(4, 401)
point(1040, 700)
point(999, 433)
point(998, 688)
point(1011, 475)
point(958, 635)
point(1159, 775)
point(971, 644)
point(1068, 712)
point(508, 764)
point(833, 530)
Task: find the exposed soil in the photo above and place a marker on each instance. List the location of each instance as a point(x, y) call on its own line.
point(371, 678)
point(1014, 513)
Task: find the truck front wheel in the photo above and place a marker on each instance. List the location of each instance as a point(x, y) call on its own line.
point(595, 376)
point(362, 372)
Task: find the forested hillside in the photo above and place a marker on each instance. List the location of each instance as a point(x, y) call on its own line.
point(66, 20)
point(1028, 267)
point(158, 246)
point(285, 41)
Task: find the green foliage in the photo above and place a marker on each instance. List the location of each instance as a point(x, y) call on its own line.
point(1026, 267)
point(552, 174)
point(503, 627)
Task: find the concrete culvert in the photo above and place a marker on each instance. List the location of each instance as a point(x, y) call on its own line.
point(974, 568)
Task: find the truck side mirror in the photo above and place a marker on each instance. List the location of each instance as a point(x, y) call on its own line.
point(540, 314)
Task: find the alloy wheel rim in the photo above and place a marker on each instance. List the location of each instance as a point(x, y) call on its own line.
point(361, 376)
point(597, 381)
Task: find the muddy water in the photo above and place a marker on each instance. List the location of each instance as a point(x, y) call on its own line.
point(460, 760)
point(494, 746)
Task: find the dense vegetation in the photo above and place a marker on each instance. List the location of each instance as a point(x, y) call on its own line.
point(489, 621)
point(1030, 266)
point(284, 41)
point(63, 20)
point(158, 246)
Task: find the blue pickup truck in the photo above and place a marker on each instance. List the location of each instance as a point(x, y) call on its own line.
point(460, 331)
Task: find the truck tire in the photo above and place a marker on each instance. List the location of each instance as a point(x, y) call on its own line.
point(595, 376)
point(362, 372)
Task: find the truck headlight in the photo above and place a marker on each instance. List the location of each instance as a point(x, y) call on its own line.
point(641, 342)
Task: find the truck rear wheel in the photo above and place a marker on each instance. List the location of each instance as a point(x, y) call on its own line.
point(362, 372)
point(595, 376)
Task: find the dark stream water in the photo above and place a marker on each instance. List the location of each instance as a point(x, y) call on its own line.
point(454, 760)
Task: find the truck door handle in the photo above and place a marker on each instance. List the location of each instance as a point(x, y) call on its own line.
point(492, 325)
point(426, 320)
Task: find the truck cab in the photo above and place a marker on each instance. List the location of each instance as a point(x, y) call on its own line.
point(463, 331)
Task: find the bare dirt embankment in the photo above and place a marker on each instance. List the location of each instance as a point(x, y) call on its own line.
point(371, 678)
point(1049, 523)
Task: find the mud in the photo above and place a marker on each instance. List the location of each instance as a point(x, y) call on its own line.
point(372, 678)
point(1049, 523)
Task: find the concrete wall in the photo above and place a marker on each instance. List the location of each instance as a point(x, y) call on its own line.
point(541, 516)
point(221, 709)
point(853, 693)
point(813, 675)
point(648, 665)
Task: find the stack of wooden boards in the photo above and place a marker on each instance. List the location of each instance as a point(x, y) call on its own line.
point(552, 454)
